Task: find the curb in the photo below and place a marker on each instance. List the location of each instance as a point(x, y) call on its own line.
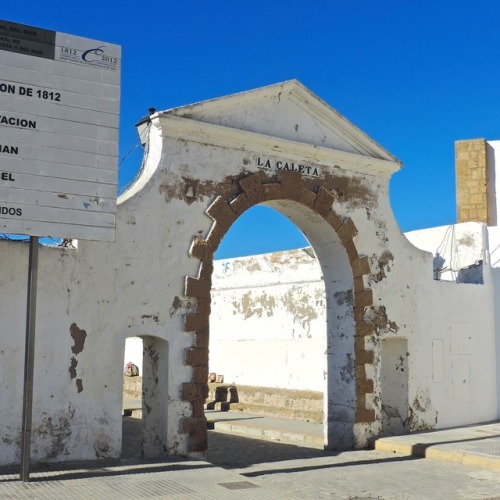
point(439, 452)
point(287, 437)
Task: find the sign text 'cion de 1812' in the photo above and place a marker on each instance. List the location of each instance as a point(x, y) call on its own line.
point(59, 110)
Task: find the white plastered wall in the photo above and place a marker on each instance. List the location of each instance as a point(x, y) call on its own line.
point(135, 287)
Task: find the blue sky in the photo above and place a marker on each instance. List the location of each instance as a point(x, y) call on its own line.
point(415, 76)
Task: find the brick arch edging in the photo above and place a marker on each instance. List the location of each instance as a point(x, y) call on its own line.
point(255, 190)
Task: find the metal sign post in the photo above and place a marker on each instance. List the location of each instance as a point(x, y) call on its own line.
point(29, 359)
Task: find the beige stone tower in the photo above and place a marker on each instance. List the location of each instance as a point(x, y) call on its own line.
point(472, 181)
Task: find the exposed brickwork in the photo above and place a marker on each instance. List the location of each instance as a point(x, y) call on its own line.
point(221, 212)
point(363, 298)
point(307, 198)
point(291, 183)
point(196, 356)
point(273, 191)
point(360, 267)
point(254, 191)
point(197, 288)
point(240, 204)
point(194, 391)
point(472, 181)
point(252, 185)
point(323, 203)
point(351, 250)
point(347, 231)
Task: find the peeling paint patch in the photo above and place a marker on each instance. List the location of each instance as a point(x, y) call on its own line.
point(258, 306)
point(380, 266)
point(79, 385)
point(421, 414)
point(72, 367)
point(154, 317)
point(300, 307)
point(377, 316)
point(79, 337)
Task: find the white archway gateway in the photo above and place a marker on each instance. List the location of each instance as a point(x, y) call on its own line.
point(282, 147)
point(204, 166)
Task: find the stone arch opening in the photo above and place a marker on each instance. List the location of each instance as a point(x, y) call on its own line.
point(150, 354)
point(311, 210)
point(268, 325)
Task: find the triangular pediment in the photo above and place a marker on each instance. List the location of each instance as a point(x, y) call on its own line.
point(287, 111)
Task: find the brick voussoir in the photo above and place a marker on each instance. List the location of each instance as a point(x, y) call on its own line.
point(363, 298)
point(272, 191)
point(324, 201)
point(201, 249)
point(199, 439)
point(252, 185)
point(191, 425)
point(364, 386)
point(363, 415)
point(307, 197)
point(215, 235)
point(196, 356)
point(195, 287)
point(240, 204)
point(360, 266)
point(195, 322)
point(221, 212)
point(364, 357)
point(334, 220)
point(291, 183)
point(194, 391)
point(347, 231)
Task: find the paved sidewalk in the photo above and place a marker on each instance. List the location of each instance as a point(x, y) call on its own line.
point(306, 434)
point(477, 445)
point(132, 479)
point(239, 467)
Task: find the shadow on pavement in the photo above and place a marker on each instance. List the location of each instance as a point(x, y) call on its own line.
point(237, 452)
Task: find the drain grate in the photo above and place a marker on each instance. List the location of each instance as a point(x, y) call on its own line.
point(238, 485)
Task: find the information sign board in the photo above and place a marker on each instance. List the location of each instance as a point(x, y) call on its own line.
point(59, 112)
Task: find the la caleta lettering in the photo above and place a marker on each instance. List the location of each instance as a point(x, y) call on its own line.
point(289, 166)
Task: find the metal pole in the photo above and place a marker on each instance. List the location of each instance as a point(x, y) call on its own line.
point(29, 359)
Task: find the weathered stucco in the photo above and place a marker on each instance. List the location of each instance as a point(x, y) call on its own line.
point(200, 172)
